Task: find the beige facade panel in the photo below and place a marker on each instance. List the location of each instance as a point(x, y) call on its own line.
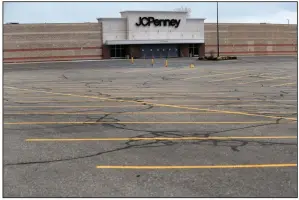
point(213, 26)
point(114, 29)
point(59, 44)
point(261, 27)
point(61, 58)
point(284, 48)
point(20, 28)
point(251, 27)
point(210, 41)
point(257, 35)
point(58, 36)
point(53, 53)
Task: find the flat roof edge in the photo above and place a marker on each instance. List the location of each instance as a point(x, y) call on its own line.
point(111, 18)
point(173, 41)
point(196, 18)
point(167, 11)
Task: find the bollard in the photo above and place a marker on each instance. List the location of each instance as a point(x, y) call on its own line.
point(166, 63)
point(132, 60)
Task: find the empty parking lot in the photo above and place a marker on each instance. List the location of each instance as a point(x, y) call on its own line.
point(114, 129)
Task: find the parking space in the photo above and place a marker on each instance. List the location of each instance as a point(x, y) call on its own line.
point(116, 129)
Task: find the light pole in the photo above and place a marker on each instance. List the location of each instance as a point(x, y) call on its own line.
point(217, 33)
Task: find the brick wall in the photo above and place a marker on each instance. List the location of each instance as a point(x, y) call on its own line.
point(43, 42)
point(252, 39)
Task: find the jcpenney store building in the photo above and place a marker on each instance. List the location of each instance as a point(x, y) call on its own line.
point(147, 34)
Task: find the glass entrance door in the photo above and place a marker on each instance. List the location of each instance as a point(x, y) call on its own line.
point(117, 51)
point(193, 50)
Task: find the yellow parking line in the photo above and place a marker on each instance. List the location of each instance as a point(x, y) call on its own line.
point(275, 73)
point(178, 96)
point(157, 104)
point(218, 74)
point(292, 83)
point(138, 70)
point(270, 79)
point(157, 138)
point(201, 93)
point(199, 166)
point(246, 105)
point(131, 96)
point(72, 122)
point(237, 101)
point(55, 101)
point(227, 112)
point(58, 106)
point(129, 113)
point(35, 96)
point(103, 98)
point(227, 79)
point(277, 113)
point(170, 96)
point(237, 78)
point(105, 113)
point(120, 106)
point(171, 70)
point(40, 97)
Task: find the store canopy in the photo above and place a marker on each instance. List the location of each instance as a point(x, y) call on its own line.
point(126, 42)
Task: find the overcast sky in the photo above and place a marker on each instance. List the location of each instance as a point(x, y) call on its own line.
point(70, 12)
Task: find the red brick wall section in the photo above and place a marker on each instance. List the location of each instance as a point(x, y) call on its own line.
point(50, 42)
point(135, 50)
point(201, 50)
point(106, 52)
point(184, 50)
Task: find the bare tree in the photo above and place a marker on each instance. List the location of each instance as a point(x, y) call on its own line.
point(182, 8)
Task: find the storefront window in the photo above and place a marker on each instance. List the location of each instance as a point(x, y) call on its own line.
point(117, 51)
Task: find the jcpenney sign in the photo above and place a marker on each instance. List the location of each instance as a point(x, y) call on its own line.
point(147, 21)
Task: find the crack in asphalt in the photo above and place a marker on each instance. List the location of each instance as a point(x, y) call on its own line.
point(67, 159)
point(77, 125)
point(64, 76)
point(234, 145)
point(42, 88)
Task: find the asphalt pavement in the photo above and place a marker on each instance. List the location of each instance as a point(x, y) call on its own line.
point(117, 129)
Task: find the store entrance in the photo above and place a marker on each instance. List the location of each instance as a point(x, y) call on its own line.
point(159, 51)
point(193, 50)
point(118, 51)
